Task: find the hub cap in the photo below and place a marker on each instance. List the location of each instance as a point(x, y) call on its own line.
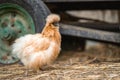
point(14, 22)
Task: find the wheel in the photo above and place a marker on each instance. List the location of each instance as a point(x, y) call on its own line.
point(17, 18)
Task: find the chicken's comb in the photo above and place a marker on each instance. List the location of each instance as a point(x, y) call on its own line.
point(53, 18)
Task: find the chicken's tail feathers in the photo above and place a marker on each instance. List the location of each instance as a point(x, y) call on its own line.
point(52, 18)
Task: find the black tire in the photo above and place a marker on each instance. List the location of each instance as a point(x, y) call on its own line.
point(36, 8)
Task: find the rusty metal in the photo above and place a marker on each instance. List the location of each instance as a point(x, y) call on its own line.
point(79, 0)
point(63, 5)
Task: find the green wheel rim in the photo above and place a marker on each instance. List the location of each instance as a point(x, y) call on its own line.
point(14, 22)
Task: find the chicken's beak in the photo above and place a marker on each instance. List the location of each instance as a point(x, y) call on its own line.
point(20, 63)
point(57, 24)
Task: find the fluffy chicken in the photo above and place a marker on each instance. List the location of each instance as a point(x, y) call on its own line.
point(37, 50)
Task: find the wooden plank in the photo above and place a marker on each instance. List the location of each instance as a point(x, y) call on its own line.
point(89, 33)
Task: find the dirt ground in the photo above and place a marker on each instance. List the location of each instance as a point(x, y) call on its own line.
point(96, 63)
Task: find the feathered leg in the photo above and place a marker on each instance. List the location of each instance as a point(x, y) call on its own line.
point(26, 71)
